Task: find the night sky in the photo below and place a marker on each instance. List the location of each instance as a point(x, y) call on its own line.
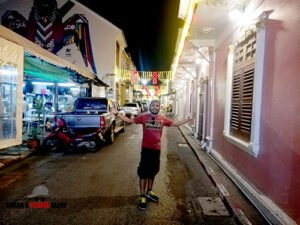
point(150, 28)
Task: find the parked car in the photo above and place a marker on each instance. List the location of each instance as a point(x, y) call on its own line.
point(91, 113)
point(131, 109)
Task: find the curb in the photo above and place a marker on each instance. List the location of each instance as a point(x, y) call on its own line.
point(225, 196)
point(11, 159)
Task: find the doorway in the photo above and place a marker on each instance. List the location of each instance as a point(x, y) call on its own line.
point(203, 96)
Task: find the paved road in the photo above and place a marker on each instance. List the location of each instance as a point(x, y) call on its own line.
point(102, 187)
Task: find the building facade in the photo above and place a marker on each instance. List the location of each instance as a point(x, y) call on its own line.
point(73, 32)
point(244, 93)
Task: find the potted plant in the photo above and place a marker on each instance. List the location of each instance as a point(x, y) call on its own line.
point(39, 106)
point(33, 142)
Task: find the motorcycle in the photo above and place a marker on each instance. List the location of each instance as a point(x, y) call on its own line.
point(62, 138)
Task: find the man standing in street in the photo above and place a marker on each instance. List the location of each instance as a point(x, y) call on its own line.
point(153, 124)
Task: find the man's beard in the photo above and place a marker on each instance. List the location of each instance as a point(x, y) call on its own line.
point(154, 112)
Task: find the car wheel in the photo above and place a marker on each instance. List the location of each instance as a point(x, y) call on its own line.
point(123, 128)
point(110, 137)
point(97, 144)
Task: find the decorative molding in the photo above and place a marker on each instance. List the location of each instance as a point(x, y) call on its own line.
point(230, 49)
point(245, 33)
point(245, 146)
point(206, 30)
point(262, 21)
point(261, 24)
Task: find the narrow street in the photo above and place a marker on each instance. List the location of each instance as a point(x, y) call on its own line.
point(102, 187)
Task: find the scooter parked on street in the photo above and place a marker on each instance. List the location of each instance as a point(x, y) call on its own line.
point(60, 138)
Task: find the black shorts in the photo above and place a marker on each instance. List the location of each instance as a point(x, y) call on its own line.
point(149, 164)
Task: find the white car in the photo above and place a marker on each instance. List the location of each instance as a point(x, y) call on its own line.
point(131, 109)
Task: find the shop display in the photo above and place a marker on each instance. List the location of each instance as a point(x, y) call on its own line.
point(43, 100)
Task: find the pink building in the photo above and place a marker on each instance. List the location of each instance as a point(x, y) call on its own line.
point(244, 91)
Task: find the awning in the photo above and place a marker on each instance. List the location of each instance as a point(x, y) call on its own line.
point(38, 69)
point(41, 70)
point(44, 64)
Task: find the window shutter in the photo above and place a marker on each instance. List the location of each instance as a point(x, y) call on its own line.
point(242, 87)
point(242, 96)
point(236, 100)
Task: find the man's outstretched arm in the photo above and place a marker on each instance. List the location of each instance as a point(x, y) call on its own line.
point(121, 116)
point(180, 122)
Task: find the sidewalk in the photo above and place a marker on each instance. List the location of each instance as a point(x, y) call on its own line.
point(13, 154)
point(243, 210)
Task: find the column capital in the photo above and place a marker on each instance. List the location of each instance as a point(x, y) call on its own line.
point(262, 21)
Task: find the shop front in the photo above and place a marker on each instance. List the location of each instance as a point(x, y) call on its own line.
point(48, 89)
point(34, 85)
point(11, 73)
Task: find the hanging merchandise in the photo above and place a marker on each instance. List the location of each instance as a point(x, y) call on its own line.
point(155, 77)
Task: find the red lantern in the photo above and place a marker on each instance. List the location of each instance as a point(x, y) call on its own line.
point(133, 77)
point(154, 77)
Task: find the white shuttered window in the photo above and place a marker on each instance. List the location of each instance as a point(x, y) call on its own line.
point(244, 88)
